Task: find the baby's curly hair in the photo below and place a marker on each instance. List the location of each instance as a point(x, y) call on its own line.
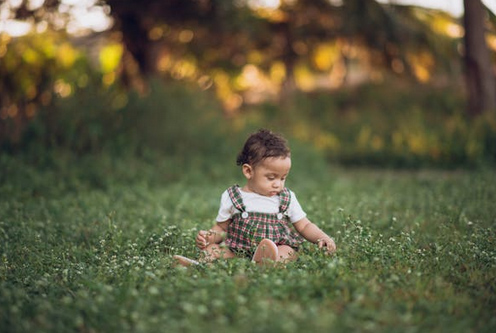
point(261, 145)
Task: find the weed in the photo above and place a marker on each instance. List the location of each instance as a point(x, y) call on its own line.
point(416, 251)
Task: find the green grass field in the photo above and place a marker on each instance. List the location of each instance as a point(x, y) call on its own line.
point(416, 253)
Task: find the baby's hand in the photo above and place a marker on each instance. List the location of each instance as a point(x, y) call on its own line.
point(328, 244)
point(202, 239)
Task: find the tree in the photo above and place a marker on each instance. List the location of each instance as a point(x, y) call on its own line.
point(218, 36)
point(480, 79)
point(388, 36)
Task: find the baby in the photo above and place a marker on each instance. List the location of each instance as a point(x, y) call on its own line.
point(263, 219)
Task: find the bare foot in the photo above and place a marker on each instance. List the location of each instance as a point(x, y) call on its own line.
point(183, 261)
point(266, 252)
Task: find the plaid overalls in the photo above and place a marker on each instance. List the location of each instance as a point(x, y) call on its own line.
point(247, 229)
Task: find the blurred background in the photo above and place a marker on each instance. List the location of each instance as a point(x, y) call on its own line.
point(179, 83)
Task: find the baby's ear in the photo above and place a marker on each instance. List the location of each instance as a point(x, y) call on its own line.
point(247, 170)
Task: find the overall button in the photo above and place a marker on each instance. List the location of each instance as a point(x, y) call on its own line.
point(279, 216)
point(244, 215)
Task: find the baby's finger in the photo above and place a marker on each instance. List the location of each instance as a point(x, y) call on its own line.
point(202, 234)
point(331, 247)
point(200, 242)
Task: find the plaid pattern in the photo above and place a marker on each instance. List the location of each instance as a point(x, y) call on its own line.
point(247, 229)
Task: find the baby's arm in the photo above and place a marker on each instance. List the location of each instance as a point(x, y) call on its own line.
point(313, 234)
point(213, 236)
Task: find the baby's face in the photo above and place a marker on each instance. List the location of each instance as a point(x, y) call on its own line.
point(268, 177)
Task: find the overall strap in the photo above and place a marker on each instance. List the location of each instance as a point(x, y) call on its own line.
point(285, 198)
point(236, 198)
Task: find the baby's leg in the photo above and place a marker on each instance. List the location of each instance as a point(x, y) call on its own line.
point(286, 253)
point(266, 252)
point(184, 261)
point(211, 253)
point(216, 251)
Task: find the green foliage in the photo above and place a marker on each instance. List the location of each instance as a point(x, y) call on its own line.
point(33, 69)
point(170, 119)
point(401, 126)
point(392, 125)
point(416, 251)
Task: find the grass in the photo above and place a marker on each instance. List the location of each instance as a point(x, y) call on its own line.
point(416, 252)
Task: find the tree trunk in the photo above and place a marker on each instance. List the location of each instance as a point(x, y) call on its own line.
point(289, 57)
point(481, 82)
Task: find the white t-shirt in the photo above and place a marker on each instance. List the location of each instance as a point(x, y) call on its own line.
point(258, 203)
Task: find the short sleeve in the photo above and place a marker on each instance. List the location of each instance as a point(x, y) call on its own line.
point(226, 209)
point(295, 212)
